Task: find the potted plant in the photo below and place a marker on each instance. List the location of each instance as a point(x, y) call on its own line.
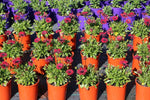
point(58, 76)
point(147, 15)
point(116, 80)
point(117, 29)
point(41, 54)
point(62, 50)
point(12, 53)
point(116, 52)
point(140, 32)
point(5, 81)
point(3, 11)
point(44, 28)
point(88, 81)
point(27, 81)
point(107, 11)
point(69, 33)
point(92, 28)
point(22, 32)
point(90, 51)
point(143, 83)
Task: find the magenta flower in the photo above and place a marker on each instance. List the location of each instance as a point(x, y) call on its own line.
point(131, 36)
point(103, 21)
point(17, 61)
point(139, 71)
point(67, 20)
point(36, 40)
point(147, 21)
point(11, 42)
point(115, 18)
point(148, 46)
point(8, 32)
point(58, 31)
point(82, 39)
point(44, 32)
point(32, 59)
point(69, 72)
point(4, 65)
point(137, 57)
point(130, 46)
point(124, 63)
point(68, 60)
point(119, 38)
point(37, 13)
point(104, 40)
point(84, 13)
point(124, 15)
point(128, 21)
point(61, 40)
point(30, 63)
point(100, 11)
point(88, 21)
point(17, 17)
point(49, 59)
point(82, 71)
point(48, 20)
point(131, 14)
point(59, 66)
point(57, 51)
point(21, 34)
point(3, 54)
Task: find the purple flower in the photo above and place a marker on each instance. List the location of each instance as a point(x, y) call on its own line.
point(27, 1)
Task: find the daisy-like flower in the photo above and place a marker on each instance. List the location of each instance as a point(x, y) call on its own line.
point(59, 66)
point(17, 17)
point(84, 13)
point(44, 32)
point(119, 38)
point(48, 20)
point(103, 21)
point(37, 13)
point(128, 21)
point(57, 51)
point(30, 63)
point(69, 72)
point(82, 71)
point(61, 40)
point(104, 40)
point(131, 14)
point(36, 40)
point(68, 60)
point(100, 11)
point(124, 15)
point(67, 20)
point(11, 42)
point(49, 59)
point(4, 65)
point(21, 34)
point(7, 32)
point(124, 63)
point(3, 54)
point(137, 57)
point(17, 61)
point(82, 39)
point(115, 18)
point(147, 21)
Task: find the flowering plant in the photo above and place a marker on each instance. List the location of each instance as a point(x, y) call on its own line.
point(25, 74)
point(76, 3)
point(43, 27)
point(116, 3)
point(116, 76)
point(144, 76)
point(61, 47)
point(108, 10)
point(3, 27)
point(148, 9)
point(128, 8)
point(93, 26)
point(95, 3)
point(41, 49)
point(19, 5)
point(12, 49)
point(2, 6)
point(5, 74)
point(87, 77)
point(90, 48)
point(120, 50)
point(86, 11)
point(52, 3)
point(140, 28)
point(22, 28)
point(118, 28)
point(69, 26)
point(58, 74)
point(137, 3)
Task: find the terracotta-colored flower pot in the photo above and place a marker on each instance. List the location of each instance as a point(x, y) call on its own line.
point(3, 38)
point(72, 40)
point(40, 63)
point(90, 94)
point(28, 92)
point(24, 40)
point(88, 37)
point(138, 40)
point(116, 93)
point(5, 91)
point(135, 65)
point(57, 92)
point(142, 92)
point(115, 62)
point(89, 60)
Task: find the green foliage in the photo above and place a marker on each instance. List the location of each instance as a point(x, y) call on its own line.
point(13, 51)
point(19, 5)
point(87, 9)
point(143, 52)
point(91, 48)
point(148, 9)
point(5, 76)
point(140, 29)
point(93, 26)
point(108, 10)
point(42, 25)
point(95, 3)
point(117, 49)
point(144, 76)
point(69, 28)
point(117, 77)
point(53, 3)
point(2, 8)
point(56, 77)
point(25, 75)
point(64, 48)
point(39, 6)
point(128, 7)
point(116, 3)
point(2, 26)
point(41, 50)
point(22, 26)
point(91, 77)
point(118, 28)
point(76, 3)
point(137, 3)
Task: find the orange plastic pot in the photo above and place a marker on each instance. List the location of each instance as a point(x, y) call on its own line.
point(90, 94)
point(3, 38)
point(25, 40)
point(72, 40)
point(135, 65)
point(57, 92)
point(88, 37)
point(40, 63)
point(28, 92)
point(49, 37)
point(111, 37)
point(115, 62)
point(142, 92)
point(116, 93)
point(138, 40)
point(5, 91)
point(89, 60)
